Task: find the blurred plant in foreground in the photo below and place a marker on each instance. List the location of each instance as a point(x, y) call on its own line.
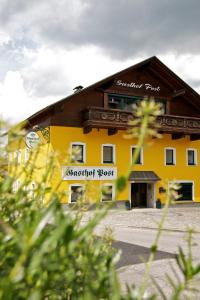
point(48, 253)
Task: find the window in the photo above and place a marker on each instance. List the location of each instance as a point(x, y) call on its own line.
point(170, 157)
point(107, 193)
point(126, 102)
point(186, 191)
point(77, 152)
point(139, 160)
point(108, 154)
point(76, 193)
point(191, 157)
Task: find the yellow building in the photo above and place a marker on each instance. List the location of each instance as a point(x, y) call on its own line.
point(93, 121)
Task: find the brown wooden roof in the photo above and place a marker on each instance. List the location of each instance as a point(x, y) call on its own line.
point(58, 112)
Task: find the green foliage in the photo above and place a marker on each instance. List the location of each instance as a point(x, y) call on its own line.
point(46, 254)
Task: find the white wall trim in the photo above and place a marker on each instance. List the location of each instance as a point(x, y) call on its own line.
point(114, 153)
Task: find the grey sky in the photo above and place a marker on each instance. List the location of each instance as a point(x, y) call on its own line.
point(122, 30)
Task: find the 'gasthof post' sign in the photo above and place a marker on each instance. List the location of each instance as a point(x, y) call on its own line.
point(146, 86)
point(89, 173)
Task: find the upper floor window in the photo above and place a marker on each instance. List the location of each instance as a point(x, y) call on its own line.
point(139, 159)
point(191, 157)
point(125, 102)
point(108, 154)
point(170, 156)
point(78, 152)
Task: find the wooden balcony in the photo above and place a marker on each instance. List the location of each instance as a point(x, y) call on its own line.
point(113, 120)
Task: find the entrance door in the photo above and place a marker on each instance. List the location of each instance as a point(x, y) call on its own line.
point(139, 194)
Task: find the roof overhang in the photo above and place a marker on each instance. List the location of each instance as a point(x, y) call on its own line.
point(143, 176)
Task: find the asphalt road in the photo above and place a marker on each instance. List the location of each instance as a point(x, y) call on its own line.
point(134, 254)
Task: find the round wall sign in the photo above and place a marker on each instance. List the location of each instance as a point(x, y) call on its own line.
point(32, 139)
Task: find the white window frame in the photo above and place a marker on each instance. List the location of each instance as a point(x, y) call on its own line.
point(84, 151)
point(19, 156)
point(114, 153)
point(141, 155)
point(184, 181)
point(195, 156)
point(27, 154)
point(113, 191)
point(70, 191)
point(174, 156)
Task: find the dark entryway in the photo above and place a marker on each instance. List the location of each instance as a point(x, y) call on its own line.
point(139, 194)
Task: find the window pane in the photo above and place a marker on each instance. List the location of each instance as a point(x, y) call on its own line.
point(185, 191)
point(76, 193)
point(139, 159)
point(77, 153)
point(107, 193)
point(191, 160)
point(169, 156)
point(107, 154)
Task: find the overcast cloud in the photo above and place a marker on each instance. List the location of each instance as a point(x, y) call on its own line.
point(49, 46)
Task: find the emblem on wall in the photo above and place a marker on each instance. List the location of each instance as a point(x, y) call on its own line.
point(32, 139)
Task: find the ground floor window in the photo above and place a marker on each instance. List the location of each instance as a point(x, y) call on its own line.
point(186, 191)
point(107, 192)
point(76, 193)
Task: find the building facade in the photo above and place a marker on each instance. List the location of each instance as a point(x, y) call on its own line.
point(92, 122)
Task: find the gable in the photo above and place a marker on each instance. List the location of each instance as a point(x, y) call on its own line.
point(139, 82)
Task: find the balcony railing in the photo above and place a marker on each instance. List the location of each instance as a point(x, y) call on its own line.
point(97, 117)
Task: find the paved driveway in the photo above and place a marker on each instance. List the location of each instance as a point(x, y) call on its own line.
point(134, 232)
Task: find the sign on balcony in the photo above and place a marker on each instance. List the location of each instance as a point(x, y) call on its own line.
point(89, 173)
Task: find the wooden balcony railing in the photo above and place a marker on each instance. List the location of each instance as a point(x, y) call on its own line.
point(97, 117)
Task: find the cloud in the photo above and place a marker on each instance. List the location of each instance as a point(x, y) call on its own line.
point(55, 72)
point(48, 47)
point(122, 29)
point(16, 104)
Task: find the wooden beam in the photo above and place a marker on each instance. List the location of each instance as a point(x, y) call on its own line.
point(194, 137)
point(112, 131)
point(176, 136)
point(178, 93)
point(87, 130)
point(105, 100)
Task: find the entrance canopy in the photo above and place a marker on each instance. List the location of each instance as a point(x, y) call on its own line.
point(143, 176)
